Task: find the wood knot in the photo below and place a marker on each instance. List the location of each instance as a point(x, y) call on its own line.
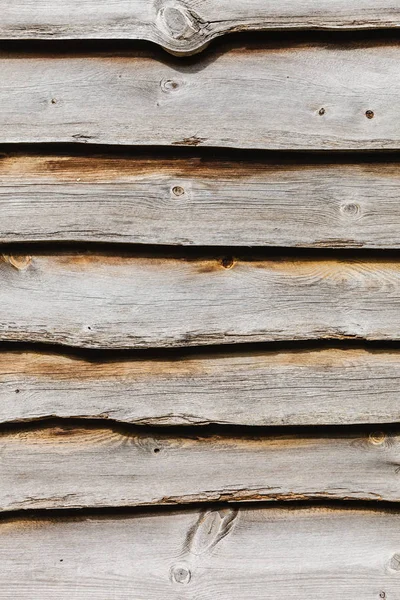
point(394, 563)
point(181, 574)
point(18, 262)
point(351, 210)
point(377, 438)
point(228, 262)
point(178, 190)
point(169, 85)
point(177, 22)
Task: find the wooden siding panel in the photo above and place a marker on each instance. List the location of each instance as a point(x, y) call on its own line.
point(72, 467)
point(319, 387)
point(105, 301)
point(199, 202)
point(264, 553)
point(317, 97)
point(185, 27)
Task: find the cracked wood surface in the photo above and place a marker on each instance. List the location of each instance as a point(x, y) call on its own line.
point(107, 301)
point(296, 97)
point(199, 202)
point(261, 388)
point(60, 467)
point(185, 27)
point(296, 554)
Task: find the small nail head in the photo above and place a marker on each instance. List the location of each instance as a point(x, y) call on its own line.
point(369, 114)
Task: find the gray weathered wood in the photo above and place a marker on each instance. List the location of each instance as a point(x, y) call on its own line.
point(266, 553)
point(99, 300)
point(69, 467)
point(325, 387)
point(185, 27)
point(199, 202)
point(316, 97)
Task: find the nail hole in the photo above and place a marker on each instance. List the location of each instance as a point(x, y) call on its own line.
point(17, 391)
point(177, 190)
point(369, 114)
point(156, 450)
point(321, 111)
point(53, 101)
point(89, 328)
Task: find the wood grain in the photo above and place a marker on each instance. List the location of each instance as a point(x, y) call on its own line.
point(320, 387)
point(71, 467)
point(107, 301)
point(265, 553)
point(316, 97)
point(199, 202)
point(185, 27)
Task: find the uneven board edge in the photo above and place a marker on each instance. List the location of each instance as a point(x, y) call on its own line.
point(239, 387)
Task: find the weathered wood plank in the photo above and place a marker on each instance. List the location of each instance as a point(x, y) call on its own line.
point(254, 553)
point(317, 97)
point(185, 27)
point(69, 467)
point(105, 301)
point(199, 202)
point(325, 387)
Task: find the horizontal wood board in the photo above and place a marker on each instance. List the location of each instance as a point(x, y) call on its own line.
point(261, 388)
point(72, 467)
point(107, 301)
point(200, 202)
point(267, 553)
point(185, 27)
point(292, 97)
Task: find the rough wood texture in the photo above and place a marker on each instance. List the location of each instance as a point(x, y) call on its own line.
point(317, 97)
point(265, 553)
point(185, 27)
point(324, 387)
point(69, 467)
point(199, 202)
point(105, 301)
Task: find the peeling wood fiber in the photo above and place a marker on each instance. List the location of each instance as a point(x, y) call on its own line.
point(315, 387)
point(315, 97)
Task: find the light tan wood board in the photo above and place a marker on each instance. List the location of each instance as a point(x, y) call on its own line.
point(321, 96)
point(265, 553)
point(200, 202)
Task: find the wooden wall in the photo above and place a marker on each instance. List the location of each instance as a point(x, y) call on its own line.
point(199, 300)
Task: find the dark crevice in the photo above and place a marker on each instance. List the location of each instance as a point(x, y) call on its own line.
point(96, 355)
point(65, 426)
point(198, 253)
point(268, 39)
point(81, 514)
point(253, 158)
